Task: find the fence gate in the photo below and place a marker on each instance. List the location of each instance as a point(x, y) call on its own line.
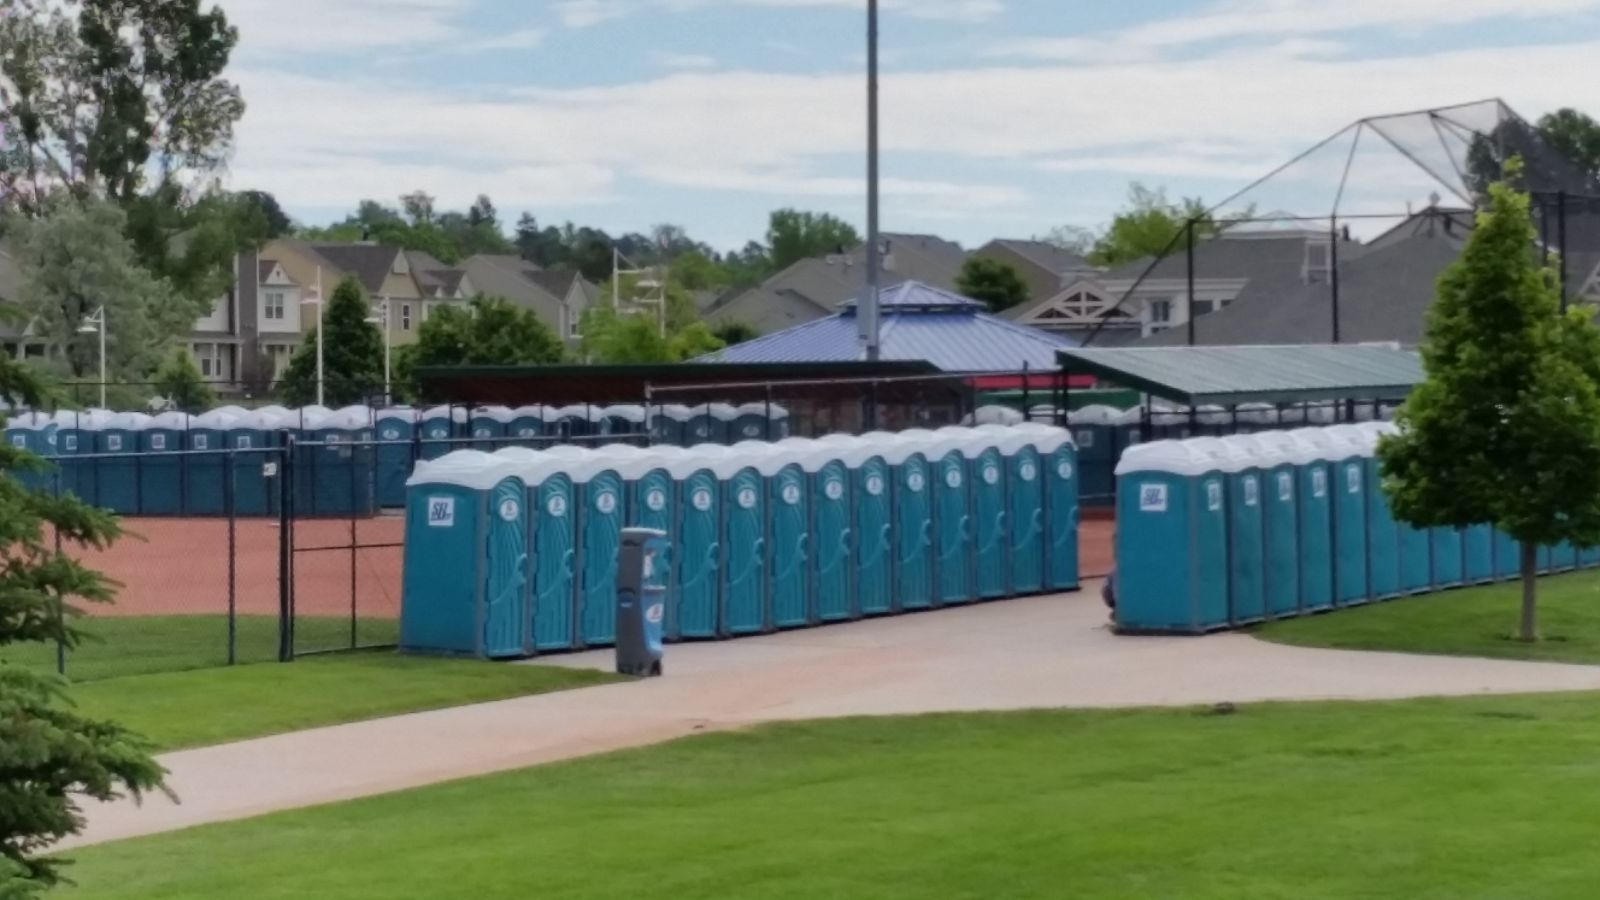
point(342, 552)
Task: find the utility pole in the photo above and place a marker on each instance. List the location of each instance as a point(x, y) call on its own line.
point(867, 311)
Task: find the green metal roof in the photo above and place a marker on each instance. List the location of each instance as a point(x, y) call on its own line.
point(1226, 376)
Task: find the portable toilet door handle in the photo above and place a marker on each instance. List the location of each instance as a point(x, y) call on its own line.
point(759, 558)
point(805, 547)
point(566, 562)
point(927, 534)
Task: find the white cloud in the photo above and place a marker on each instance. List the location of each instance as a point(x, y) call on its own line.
point(521, 39)
point(588, 13)
point(1229, 19)
point(683, 60)
point(285, 30)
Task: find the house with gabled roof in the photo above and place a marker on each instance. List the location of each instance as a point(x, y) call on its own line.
point(558, 298)
point(1044, 267)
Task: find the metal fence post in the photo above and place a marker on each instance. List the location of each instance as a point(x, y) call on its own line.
point(285, 552)
point(61, 646)
point(229, 492)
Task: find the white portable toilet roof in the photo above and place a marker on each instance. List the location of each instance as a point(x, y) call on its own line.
point(472, 469)
point(583, 411)
point(397, 413)
point(1170, 457)
point(499, 414)
point(1321, 446)
point(633, 412)
point(453, 413)
point(1094, 414)
point(172, 421)
point(1354, 439)
point(677, 412)
point(1225, 456)
point(218, 419)
point(128, 421)
point(1279, 448)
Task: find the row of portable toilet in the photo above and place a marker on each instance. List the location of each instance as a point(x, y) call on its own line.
point(1216, 533)
point(763, 535)
point(226, 460)
point(717, 423)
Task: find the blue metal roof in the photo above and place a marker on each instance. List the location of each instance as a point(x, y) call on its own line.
point(919, 323)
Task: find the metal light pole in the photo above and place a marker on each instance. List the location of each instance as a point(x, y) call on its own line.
point(93, 323)
point(316, 300)
point(867, 314)
point(383, 322)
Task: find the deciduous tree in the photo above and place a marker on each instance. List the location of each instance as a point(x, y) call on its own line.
point(993, 281)
point(352, 359)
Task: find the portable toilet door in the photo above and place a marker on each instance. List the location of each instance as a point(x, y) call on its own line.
point(601, 514)
point(1063, 477)
point(1247, 586)
point(1563, 557)
point(1316, 519)
point(553, 536)
point(22, 434)
point(991, 521)
point(1026, 514)
point(1096, 458)
point(697, 537)
point(624, 420)
point(162, 469)
point(952, 517)
point(67, 439)
point(206, 475)
point(527, 425)
point(1507, 557)
point(1449, 546)
point(339, 450)
point(576, 422)
point(1280, 522)
point(1416, 560)
point(912, 504)
point(834, 535)
point(777, 422)
point(668, 424)
point(508, 624)
point(488, 426)
point(723, 421)
point(701, 428)
point(750, 423)
point(1350, 488)
point(874, 543)
point(1171, 544)
point(396, 431)
point(118, 470)
point(744, 538)
point(793, 542)
point(1383, 532)
point(253, 438)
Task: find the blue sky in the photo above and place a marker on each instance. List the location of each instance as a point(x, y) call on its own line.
point(1002, 118)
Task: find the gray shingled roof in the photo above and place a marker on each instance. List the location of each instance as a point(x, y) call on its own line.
point(369, 263)
point(512, 277)
point(1046, 256)
point(1384, 295)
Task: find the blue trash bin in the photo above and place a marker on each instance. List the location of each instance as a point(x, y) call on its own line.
point(1171, 544)
point(465, 580)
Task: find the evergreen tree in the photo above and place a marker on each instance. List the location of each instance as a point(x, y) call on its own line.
point(994, 282)
point(180, 382)
point(1506, 427)
point(352, 359)
point(49, 755)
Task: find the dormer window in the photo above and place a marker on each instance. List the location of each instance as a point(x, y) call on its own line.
point(1319, 262)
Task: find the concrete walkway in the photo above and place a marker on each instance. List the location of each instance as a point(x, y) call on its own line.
point(1043, 652)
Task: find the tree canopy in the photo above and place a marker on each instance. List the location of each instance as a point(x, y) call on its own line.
point(50, 756)
point(179, 382)
point(352, 359)
point(1576, 136)
point(1506, 427)
point(1148, 226)
point(793, 235)
point(490, 332)
point(993, 281)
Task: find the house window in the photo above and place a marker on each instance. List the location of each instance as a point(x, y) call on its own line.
point(574, 326)
point(405, 317)
point(272, 306)
point(1201, 307)
point(1160, 311)
point(206, 356)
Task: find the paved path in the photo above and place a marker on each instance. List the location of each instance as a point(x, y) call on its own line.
point(1043, 652)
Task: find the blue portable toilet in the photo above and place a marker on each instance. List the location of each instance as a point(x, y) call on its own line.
point(206, 470)
point(697, 577)
point(744, 539)
point(952, 517)
point(1350, 519)
point(1062, 480)
point(252, 437)
point(68, 441)
point(1247, 575)
point(988, 475)
point(489, 426)
point(1093, 436)
point(438, 429)
point(669, 424)
point(117, 469)
point(1449, 549)
point(778, 422)
point(751, 423)
point(162, 476)
point(832, 493)
point(335, 473)
point(911, 503)
point(1025, 509)
point(624, 420)
point(701, 428)
point(1172, 544)
point(791, 542)
point(1563, 557)
point(395, 428)
point(601, 515)
point(1275, 456)
point(1383, 532)
point(34, 432)
point(871, 521)
point(465, 585)
point(993, 414)
point(1315, 462)
point(553, 554)
point(527, 425)
point(576, 422)
point(724, 421)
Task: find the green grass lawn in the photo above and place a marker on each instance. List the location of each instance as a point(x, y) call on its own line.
point(1480, 621)
point(1481, 798)
point(212, 706)
point(136, 645)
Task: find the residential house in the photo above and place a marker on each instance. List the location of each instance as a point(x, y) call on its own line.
point(558, 298)
point(812, 289)
point(1147, 296)
point(1044, 268)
